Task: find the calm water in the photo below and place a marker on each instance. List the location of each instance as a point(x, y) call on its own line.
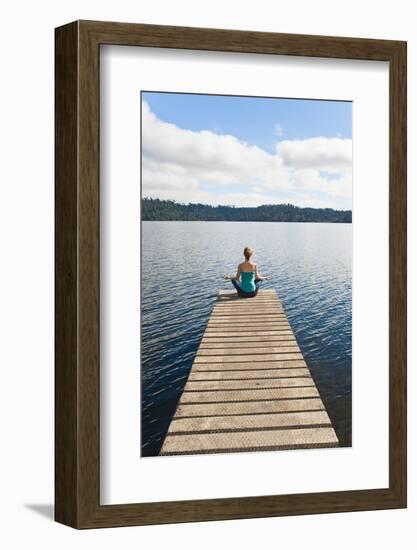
point(183, 264)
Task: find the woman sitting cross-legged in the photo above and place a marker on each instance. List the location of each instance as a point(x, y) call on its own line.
point(247, 279)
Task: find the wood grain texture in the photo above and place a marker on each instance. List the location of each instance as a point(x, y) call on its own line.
point(253, 358)
point(253, 330)
point(66, 263)
point(239, 321)
point(77, 169)
point(243, 408)
point(398, 273)
point(247, 344)
point(227, 424)
point(256, 440)
point(247, 395)
point(249, 374)
point(272, 303)
point(251, 384)
point(258, 365)
point(267, 348)
point(237, 335)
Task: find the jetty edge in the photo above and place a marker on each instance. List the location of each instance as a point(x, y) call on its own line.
point(249, 388)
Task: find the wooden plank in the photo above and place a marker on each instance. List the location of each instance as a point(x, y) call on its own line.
point(250, 440)
point(238, 300)
point(248, 357)
point(225, 343)
point(232, 293)
point(245, 341)
point(246, 334)
point(253, 310)
point(252, 306)
point(246, 301)
point(251, 319)
point(229, 352)
point(221, 299)
point(236, 326)
point(233, 304)
point(249, 407)
point(239, 319)
point(253, 327)
point(228, 332)
point(254, 384)
point(251, 365)
point(249, 387)
point(249, 374)
point(265, 394)
point(247, 326)
point(249, 422)
point(230, 344)
point(249, 314)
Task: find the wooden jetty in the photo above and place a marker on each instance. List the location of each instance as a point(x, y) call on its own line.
point(249, 388)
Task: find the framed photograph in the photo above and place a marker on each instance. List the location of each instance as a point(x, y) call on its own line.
point(230, 274)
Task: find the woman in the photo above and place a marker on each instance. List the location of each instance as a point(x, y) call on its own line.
point(250, 279)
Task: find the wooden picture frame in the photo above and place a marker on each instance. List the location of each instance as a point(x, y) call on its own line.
point(77, 372)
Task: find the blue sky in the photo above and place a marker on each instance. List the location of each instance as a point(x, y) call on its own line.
point(246, 150)
point(254, 120)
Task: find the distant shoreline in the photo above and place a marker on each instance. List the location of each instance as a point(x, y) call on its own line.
point(167, 210)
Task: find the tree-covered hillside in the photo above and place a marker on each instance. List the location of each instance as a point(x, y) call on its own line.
point(165, 210)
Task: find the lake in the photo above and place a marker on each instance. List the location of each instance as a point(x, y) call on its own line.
point(183, 264)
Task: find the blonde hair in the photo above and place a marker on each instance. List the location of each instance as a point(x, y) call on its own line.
point(247, 252)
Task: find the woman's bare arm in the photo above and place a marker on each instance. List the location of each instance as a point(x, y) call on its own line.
point(236, 277)
point(258, 276)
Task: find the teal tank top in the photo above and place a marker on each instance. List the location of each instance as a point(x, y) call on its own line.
point(248, 281)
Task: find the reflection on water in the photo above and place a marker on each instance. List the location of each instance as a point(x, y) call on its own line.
point(183, 264)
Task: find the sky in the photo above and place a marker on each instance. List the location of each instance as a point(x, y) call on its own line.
point(246, 151)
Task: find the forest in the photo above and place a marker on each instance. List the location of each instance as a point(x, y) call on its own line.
point(168, 210)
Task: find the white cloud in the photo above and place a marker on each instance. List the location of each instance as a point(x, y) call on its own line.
point(332, 155)
point(191, 166)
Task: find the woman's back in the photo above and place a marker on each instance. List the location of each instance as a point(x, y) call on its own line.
point(247, 275)
point(247, 266)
